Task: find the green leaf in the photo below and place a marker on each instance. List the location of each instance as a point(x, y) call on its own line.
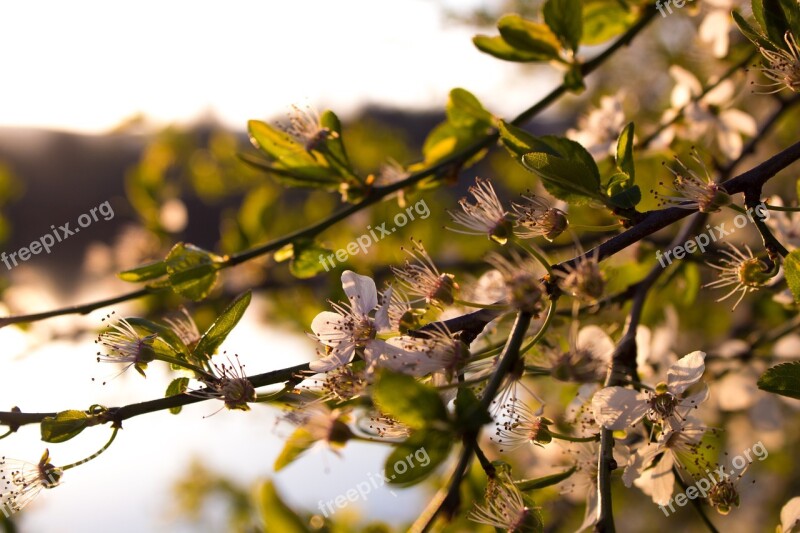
point(499, 48)
point(290, 154)
point(754, 36)
point(470, 414)
point(305, 259)
point(192, 271)
point(605, 20)
point(775, 22)
point(565, 18)
point(64, 426)
point(518, 141)
point(624, 153)
point(783, 379)
point(545, 481)
point(145, 272)
point(222, 326)
point(530, 37)
point(275, 514)
point(626, 198)
point(334, 152)
point(791, 267)
point(446, 139)
point(407, 400)
point(567, 180)
point(569, 149)
point(464, 110)
point(297, 443)
point(176, 386)
point(417, 457)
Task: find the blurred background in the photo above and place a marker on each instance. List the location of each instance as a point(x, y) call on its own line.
point(145, 106)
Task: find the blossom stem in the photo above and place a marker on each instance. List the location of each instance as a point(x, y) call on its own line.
point(95, 454)
point(593, 438)
point(536, 254)
point(782, 208)
point(465, 303)
point(6, 434)
point(551, 312)
point(187, 365)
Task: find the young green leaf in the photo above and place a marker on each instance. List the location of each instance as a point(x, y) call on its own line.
point(604, 20)
point(290, 154)
point(145, 272)
point(192, 271)
point(306, 261)
point(417, 457)
point(176, 386)
point(624, 154)
point(565, 179)
point(469, 412)
point(297, 443)
point(751, 33)
point(499, 48)
point(791, 267)
point(64, 426)
point(530, 37)
point(464, 110)
point(222, 326)
point(783, 379)
point(408, 401)
point(565, 19)
point(275, 514)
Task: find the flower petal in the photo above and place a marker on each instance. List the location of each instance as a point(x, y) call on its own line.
point(329, 327)
point(686, 372)
point(618, 408)
point(340, 356)
point(361, 291)
point(659, 481)
point(597, 342)
point(790, 515)
point(382, 322)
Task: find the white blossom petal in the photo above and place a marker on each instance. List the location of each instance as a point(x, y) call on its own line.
point(686, 372)
point(790, 515)
point(328, 327)
point(597, 342)
point(340, 356)
point(361, 291)
point(659, 481)
point(618, 408)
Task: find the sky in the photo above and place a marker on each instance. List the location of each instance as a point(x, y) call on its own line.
point(88, 65)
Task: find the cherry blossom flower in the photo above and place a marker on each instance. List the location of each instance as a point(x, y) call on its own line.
point(304, 126)
point(125, 345)
point(184, 327)
point(506, 509)
point(351, 327)
point(435, 350)
point(716, 26)
point(784, 66)
point(745, 272)
point(521, 277)
point(598, 130)
point(677, 446)
point(231, 386)
point(486, 216)
point(585, 281)
point(420, 277)
point(21, 482)
point(693, 190)
point(619, 408)
point(519, 425)
point(710, 115)
point(321, 423)
point(536, 218)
